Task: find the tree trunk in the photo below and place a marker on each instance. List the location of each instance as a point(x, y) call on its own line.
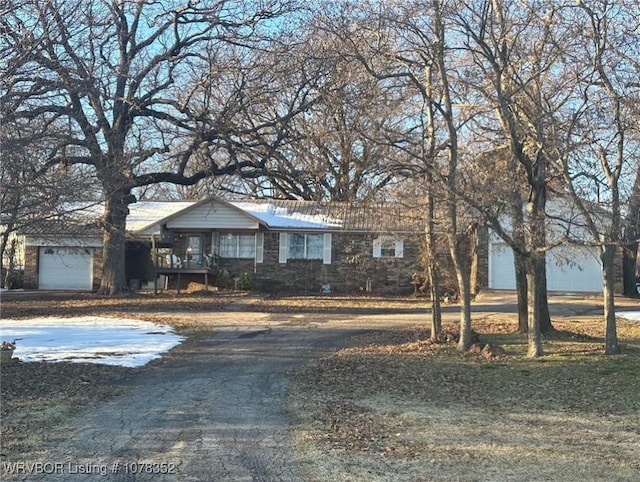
point(519, 259)
point(114, 225)
point(3, 246)
point(607, 256)
point(474, 241)
point(9, 275)
point(434, 277)
point(534, 291)
point(543, 300)
point(464, 344)
point(436, 309)
point(462, 275)
point(521, 291)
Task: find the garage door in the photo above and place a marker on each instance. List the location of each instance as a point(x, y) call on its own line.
point(502, 275)
point(65, 268)
point(568, 269)
point(574, 269)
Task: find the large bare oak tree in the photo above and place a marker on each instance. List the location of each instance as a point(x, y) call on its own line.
point(150, 92)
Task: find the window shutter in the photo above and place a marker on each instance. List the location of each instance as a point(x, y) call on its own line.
point(377, 247)
point(399, 248)
point(326, 259)
point(282, 255)
point(259, 247)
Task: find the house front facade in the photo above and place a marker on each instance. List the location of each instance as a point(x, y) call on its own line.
point(284, 246)
point(270, 246)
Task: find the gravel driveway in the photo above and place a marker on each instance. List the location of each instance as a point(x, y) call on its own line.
point(212, 410)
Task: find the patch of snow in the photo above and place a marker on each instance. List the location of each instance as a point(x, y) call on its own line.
point(145, 213)
point(141, 214)
point(280, 217)
point(629, 315)
point(108, 341)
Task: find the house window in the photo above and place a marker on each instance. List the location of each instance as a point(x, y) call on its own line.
point(388, 247)
point(237, 245)
point(305, 246)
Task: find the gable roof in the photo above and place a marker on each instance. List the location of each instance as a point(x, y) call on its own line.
point(276, 216)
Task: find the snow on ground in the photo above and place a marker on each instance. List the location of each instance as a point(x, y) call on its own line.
point(110, 341)
point(629, 315)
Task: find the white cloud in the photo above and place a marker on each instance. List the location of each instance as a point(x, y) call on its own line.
point(109, 341)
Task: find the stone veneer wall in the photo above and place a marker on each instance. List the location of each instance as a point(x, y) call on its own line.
point(353, 268)
point(30, 280)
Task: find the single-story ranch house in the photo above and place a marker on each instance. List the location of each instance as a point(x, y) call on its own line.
point(276, 246)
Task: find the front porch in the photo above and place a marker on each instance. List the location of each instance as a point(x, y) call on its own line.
point(169, 263)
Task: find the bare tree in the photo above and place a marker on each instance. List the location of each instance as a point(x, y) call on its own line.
point(338, 150)
point(604, 128)
point(406, 44)
point(513, 52)
point(32, 197)
point(151, 92)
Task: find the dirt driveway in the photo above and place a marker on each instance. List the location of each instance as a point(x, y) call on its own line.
point(213, 409)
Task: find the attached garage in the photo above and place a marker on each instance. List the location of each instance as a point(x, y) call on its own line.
point(65, 268)
point(569, 269)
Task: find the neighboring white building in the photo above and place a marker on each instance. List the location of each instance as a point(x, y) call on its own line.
point(570, 267)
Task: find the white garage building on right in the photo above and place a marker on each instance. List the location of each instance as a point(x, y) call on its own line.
point(569, 268)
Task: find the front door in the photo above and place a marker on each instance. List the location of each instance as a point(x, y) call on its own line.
point(194, 250)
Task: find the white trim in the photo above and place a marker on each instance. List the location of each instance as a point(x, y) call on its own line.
point(386, 240)
point(326, 258)
point(282, 254)
point(79, 242)
point(259, 247)
point(399, 248)
point(377, 247)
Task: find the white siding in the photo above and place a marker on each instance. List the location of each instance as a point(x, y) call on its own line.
point(569, 268)
point(212, 215)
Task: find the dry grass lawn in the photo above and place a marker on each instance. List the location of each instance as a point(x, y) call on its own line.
point(392, 406)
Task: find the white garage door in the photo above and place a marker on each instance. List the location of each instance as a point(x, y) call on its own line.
point(502, 275)
point(574, 269)
point(65, 268)
point(568, 269)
